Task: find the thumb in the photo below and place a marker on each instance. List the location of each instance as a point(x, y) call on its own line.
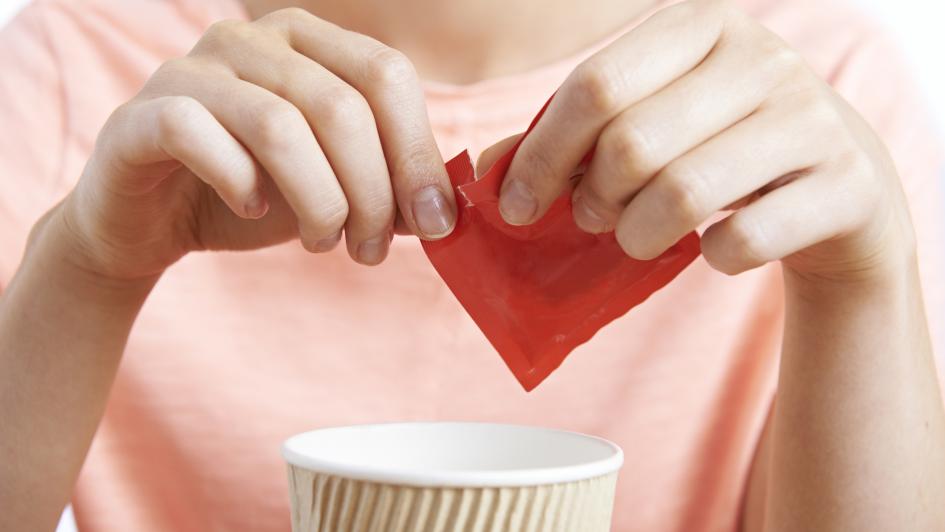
point(485, 161)
point(491, 154)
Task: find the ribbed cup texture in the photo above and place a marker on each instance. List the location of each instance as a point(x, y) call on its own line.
point(325, 503)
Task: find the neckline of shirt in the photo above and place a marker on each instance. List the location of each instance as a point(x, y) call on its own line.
point(492, 99)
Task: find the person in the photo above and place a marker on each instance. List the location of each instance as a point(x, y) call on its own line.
point(145, 143)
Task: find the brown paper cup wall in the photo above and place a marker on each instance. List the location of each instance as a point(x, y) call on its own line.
point(325, 503)
point(450, 477)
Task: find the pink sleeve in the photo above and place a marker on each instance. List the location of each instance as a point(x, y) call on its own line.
point(32, 139)
point(876, 79)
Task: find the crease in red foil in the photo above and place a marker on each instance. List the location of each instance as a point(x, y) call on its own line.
point(539, 291)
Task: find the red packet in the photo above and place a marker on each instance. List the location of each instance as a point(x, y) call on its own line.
point(539, 291)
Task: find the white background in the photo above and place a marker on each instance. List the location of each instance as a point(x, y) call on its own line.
point(918, 23)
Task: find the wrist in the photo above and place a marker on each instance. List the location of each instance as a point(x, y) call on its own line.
point(57, 255)
point(844, 312)
point(892, 281)
point(875, 260)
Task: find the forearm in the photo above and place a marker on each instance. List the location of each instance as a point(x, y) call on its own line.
point(62, 332)
point(858, 433)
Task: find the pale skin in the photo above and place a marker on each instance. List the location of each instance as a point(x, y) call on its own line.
point(698, 110)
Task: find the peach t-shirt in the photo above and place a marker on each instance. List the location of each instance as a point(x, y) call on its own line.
point(234, 352)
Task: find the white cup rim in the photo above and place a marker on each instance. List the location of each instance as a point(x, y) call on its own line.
point(601, 457)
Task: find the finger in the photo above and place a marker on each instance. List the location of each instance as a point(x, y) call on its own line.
point(185, 131)
point(597, 91)
point(278, 136)
point(344, 127)
point(387, 79)
point(492, 154)
point(728, 86)
point(781, 223)
point(400, 226)
point(739, 161)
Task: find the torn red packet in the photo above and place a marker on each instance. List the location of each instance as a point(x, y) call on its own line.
point(539, 291)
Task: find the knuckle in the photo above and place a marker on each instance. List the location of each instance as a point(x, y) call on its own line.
point(174, 67)
point(176, 116)
point(389, 68)
point(683, 191)
point(287, 14)
point(596, 87)
point(222, 33)
point(782, 61)
point(121, 113)
point(323, 221)
point(278, 125)
point(331, 215)
point(416, 156)
point(728, 9)
point(168, 77)
point(282, 21)
point(814, 103)
point(702, 8)
point(688, 8)
point(858, 166)
point(601, 194)
point(375, 211)
point(630, 149)
point(342, 107)
point(537, 167)
point(746, 243)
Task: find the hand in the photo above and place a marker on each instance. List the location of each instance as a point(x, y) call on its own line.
point(283, 127)
point(701, 109)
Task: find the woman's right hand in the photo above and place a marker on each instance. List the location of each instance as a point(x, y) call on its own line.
point(284, 127)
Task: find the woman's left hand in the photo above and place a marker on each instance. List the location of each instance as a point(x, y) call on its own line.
point(701, 109)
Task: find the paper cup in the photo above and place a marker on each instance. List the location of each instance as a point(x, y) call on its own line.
point(450, 477)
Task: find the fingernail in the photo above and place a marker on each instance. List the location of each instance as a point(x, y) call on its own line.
point(586, 218)
point(327, 244)
point(374, 250)
point(257, 206)
point(432, 213)
point(517, 203)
